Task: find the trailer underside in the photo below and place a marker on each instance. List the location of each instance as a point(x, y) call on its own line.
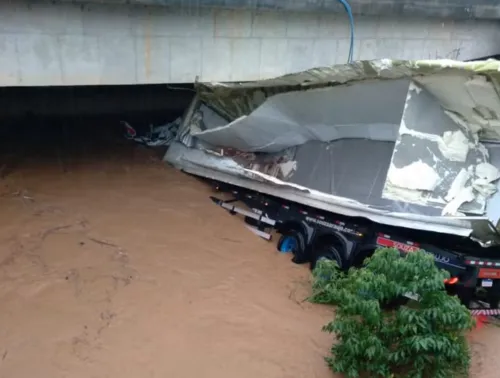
point(311, 234)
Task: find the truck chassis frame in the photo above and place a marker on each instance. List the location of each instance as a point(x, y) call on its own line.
point(312, 234)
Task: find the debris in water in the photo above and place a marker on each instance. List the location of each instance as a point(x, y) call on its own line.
point(157, 136)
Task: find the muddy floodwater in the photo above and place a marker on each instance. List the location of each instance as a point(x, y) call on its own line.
point(115, 265)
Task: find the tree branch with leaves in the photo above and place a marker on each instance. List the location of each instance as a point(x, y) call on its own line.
point(378, 334)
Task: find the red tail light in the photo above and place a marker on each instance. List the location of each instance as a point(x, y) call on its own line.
point(451, 281)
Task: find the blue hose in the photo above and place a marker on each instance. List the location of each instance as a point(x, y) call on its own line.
point(351, 24)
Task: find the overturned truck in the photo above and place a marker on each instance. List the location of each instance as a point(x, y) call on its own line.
point(341, 160)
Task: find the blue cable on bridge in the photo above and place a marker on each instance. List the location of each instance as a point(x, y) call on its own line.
point(351, 24)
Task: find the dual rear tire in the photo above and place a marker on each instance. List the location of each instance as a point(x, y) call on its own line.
point(293, 241)
point(327, 252)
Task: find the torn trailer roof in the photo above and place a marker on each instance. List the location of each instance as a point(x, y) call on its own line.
point(413, 144)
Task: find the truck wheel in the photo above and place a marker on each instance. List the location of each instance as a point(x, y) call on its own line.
point(360, 257)
point(394, 303)
point(327, 252)
point(293, 241)
point(465, 294)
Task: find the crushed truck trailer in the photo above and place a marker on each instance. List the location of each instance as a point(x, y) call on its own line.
point(405, 149)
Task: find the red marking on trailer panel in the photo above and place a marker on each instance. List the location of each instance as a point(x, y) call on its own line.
point(384, 242)
point(489, 273)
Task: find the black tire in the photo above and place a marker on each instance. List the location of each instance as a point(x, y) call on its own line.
point(465, 294)
point(299, 252)
point(328, 252)
point(360, 257)
point(394, 303)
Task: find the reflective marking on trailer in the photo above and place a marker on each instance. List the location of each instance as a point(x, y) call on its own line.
point(488, 263)
point(384, 242)
point(485, 311)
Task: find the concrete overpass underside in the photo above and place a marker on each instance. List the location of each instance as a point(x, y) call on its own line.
point(147, 41)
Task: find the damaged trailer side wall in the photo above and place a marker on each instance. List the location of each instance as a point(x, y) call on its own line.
point(280, 129)
point(362, 110)
point(431, 155)
point(430, 148)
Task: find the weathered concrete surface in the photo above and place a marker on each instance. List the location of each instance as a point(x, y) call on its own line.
point(49, 43)
point(453, 9)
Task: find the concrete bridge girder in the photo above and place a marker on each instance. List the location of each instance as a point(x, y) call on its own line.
point(450, 9)
point(161, 41)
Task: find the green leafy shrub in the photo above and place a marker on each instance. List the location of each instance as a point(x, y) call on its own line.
point(424, 338)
